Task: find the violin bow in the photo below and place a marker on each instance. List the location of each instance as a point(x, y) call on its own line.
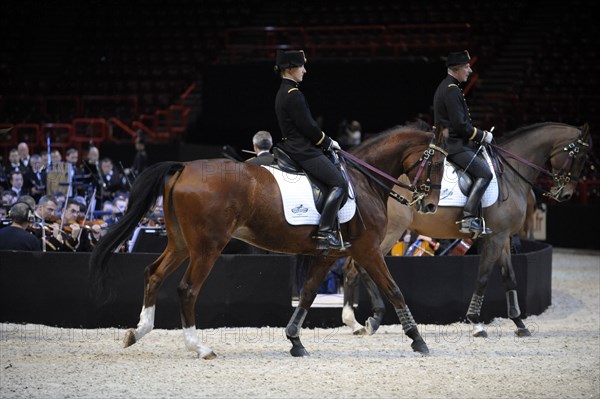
point(89, 208)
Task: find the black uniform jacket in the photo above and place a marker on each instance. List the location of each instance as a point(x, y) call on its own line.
point(450, 111)
point(302, 137)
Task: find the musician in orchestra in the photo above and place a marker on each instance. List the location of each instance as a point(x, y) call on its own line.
point(14, 162)
point(35, 179)
point(65, 233)
point(55, 157)
point(24, 157)
point(16, 237)
point(17, 184)
point(114, 182)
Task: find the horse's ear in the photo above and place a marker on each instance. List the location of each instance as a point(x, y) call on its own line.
point(442, 135)
point(585, 131)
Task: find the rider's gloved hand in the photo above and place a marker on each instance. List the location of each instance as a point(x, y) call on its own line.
point(330, 144)
point(335, 145)
point(487, 137)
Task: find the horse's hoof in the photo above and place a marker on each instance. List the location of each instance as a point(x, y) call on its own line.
point(371, 325)
point(522, 332)
point(360, 331)
point(298, 351)
point(479, 331)
point(480, 334)
point(209, 356)
point(420, 346)
point(129, 338)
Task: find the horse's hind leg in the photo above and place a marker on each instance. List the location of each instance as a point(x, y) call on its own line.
point(154, 276)
point(377, 305)
point(351, 279)
point(316, 274)
point(512, 301)
point(200, 266)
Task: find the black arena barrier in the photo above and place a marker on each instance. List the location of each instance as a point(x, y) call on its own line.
point(52, 289)
point(254, 290)
point(438, 289)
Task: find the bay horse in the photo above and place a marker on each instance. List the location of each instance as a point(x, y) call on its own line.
point(208, 202)
point(523, 153)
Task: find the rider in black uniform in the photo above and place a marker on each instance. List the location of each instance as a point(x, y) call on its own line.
point(306, 144)
point(451, 112)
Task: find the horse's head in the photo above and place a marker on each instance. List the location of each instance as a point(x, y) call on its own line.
point(425, 167)
point(567, 159)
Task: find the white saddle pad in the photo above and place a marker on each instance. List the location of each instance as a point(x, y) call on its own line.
point(298, 201)
point(451, 194)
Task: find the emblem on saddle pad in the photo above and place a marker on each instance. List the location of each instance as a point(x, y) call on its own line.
point(455, 186)
point(299, 201)
point(300, 209)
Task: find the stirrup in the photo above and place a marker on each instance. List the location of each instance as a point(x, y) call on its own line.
point(329, 240)
point(473, 225)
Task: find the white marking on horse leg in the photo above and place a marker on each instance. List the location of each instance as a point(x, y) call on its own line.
point(190, 337)
point(349, 319)
point(478, 329)
point(146, 323)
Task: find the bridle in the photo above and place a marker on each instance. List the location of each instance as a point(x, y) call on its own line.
point(419, 192)
point(563, 176)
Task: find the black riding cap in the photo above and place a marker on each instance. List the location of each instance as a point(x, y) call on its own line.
point(290, 59)
point(460, 58)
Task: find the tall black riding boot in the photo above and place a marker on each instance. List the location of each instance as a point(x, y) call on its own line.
point(470, 223)
point(327, 237)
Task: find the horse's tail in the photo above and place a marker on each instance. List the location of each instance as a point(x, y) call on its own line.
point(148, 186)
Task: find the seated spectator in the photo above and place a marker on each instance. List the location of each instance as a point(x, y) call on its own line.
point(16, 237)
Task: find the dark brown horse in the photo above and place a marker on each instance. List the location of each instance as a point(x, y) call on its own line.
point(564, 146)
point(207, 202)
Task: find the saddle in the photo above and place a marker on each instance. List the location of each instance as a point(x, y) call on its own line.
point(286, 164)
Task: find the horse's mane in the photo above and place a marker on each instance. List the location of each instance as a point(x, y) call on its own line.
point(376, 139)
point(524, 129)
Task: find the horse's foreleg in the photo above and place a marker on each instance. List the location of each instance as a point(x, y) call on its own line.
point(154, 276)
point(316, 274)
point(474, 313)
point(375, 265)
point(188, 290)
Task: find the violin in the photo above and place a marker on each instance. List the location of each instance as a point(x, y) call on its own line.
point(84, 224)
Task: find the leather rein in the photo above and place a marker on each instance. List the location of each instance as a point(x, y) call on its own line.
point(561, 178)
point(418, 192)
